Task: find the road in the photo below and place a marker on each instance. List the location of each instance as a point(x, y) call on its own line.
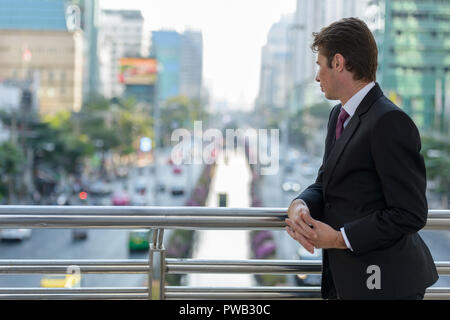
point(101, 243)
point(233, 178)
point(273, 196)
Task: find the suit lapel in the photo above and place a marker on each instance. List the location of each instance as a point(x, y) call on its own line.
point(339, 145)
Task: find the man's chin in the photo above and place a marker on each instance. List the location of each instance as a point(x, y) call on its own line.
point(329, 96)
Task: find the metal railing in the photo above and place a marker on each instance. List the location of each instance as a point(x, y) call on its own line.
point(157, 219)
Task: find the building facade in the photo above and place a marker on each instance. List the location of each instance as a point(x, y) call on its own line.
point(89, 23)
point(276, 60)
point(121, 33)
point(414, 58)
point(180, 59)
point(191, 64)
point(41, 45)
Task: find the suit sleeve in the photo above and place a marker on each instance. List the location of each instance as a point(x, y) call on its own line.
point(313, 195)
point(395, 147)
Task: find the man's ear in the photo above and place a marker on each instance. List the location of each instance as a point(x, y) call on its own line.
point(338, 61)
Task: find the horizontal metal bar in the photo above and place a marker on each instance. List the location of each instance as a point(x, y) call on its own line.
point(135, 222)
point(91, 290)
point(243, 266)
point(86, 266)
point(183, 293)
point(67, 296)
point(186, 289)
point(139, 210)
point(173, 266)
point(173, 293)
point(161, 217)
point(79, 262)
point(220, 293)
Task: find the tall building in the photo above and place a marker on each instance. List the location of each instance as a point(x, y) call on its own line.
point(191, 64)
point(121, 32)
point(47, 44)
point(89, 23)
point(166, 48)
point(180, 59)
point(414, 58)
point(276, 59)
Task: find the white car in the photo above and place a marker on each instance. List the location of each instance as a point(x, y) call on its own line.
point(15, 234)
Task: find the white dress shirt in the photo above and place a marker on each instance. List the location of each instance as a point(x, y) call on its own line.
point(350, 107)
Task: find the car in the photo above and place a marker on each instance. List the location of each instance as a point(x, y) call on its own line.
point(291, 186)
point(15, 234)
point(176, 170)
point(100, 188)
point(177, 190)
point(309, 279)
point(79, 234)
point(61, 281)
point(120, 198)
point(138, 239)
point(140, 186)
point(160, 187)
point(288, 168)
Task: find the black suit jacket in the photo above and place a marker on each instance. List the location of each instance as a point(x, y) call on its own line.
point(372, 182)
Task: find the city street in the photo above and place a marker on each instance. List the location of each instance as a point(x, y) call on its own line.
point(233, 178)
point(100, 244)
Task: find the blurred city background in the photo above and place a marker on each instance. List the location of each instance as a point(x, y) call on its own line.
point(91, 91)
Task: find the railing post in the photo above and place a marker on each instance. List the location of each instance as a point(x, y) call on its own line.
point(162, 263)
point(150, 263)
point(157, 246)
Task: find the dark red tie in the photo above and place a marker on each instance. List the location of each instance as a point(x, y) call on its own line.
point(340, 123)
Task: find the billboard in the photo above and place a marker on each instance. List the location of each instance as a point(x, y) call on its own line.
point(140, 71)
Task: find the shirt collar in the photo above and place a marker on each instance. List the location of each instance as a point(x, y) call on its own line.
point(353, 103)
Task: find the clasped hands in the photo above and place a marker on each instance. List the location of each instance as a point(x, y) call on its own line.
point(311, 233)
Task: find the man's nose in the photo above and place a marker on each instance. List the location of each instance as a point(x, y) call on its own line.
point(317, 77)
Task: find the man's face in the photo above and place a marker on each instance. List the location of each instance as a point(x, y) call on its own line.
point(326, 77)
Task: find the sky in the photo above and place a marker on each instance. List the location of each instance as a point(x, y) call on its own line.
point(234, 32)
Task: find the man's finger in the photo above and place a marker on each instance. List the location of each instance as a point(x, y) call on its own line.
point(297, 228)
point(308, 219)
point(299, 238)
point(306, 229)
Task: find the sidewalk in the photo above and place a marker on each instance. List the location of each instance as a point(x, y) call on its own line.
point(233, 178)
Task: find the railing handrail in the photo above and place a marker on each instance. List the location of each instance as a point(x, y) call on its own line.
point(129, 217)
point(174, 266)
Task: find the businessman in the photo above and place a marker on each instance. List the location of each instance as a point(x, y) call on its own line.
point(368, 202)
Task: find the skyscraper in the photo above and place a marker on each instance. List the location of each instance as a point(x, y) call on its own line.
point(276, 75)
point(121, 31)
point(89, 23)
point(180, 59)
point(191, 64)
point(414, 58)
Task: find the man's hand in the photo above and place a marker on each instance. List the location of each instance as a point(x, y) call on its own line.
point(305, 229)
point(297, 207)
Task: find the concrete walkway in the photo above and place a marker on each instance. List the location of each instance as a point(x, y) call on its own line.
point(232, 178)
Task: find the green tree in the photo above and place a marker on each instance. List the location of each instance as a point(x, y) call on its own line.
point(11, 161)
point(181, 112)
point(436, 152)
